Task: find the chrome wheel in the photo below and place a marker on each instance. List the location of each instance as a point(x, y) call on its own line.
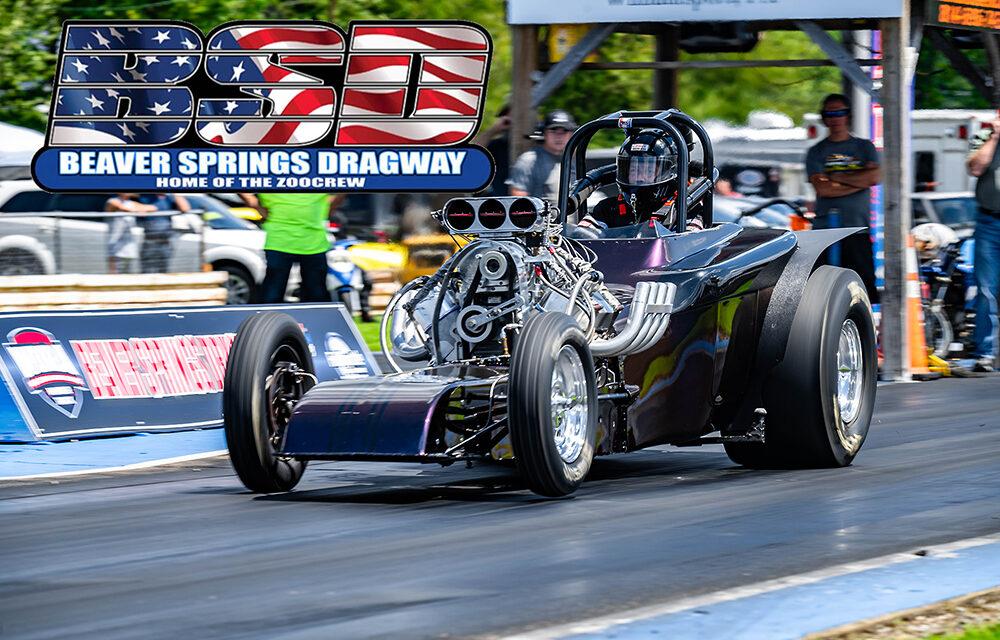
point(569, 404)
point(850, 374)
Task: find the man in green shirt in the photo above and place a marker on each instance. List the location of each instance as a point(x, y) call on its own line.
point(295, 224)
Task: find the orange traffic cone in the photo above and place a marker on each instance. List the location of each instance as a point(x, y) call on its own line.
point(919, 364)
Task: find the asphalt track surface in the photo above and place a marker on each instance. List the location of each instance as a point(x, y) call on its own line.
point(392, 550)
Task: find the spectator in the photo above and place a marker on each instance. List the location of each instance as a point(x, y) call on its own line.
point(725, 188)
point(158, 231)
point(982, 164)
point(536, 172)
point(295, 226)
point(496, 140)
point(842, 169)
point(123, 245)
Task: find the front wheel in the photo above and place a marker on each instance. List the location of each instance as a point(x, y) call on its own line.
point(268, 371)
point(820, 398)
point(552, 404)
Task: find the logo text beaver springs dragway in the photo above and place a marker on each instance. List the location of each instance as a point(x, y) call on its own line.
point(382, 106)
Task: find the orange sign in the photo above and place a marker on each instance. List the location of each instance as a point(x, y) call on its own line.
point(970, 14)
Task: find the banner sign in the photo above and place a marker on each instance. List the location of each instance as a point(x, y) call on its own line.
point(267, 106)
point(73, 374)
point(965, 14)
point(598, 11)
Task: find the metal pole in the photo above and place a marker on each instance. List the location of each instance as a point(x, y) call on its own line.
point(897, 185)
point(524, 42)
point(665, 80)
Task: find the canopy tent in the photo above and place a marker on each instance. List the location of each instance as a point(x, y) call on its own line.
point(900, 24)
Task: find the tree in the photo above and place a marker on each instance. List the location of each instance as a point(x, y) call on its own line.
point(28, 32)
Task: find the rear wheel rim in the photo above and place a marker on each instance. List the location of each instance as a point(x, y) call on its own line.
point(850, 377)
point(569, 404)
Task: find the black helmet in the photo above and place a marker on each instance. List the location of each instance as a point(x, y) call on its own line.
point(647, 170)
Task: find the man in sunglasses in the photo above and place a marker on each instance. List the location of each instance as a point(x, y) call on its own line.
point(536, 172)
point(843, 169)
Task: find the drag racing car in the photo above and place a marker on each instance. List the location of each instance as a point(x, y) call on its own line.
point(557, 334)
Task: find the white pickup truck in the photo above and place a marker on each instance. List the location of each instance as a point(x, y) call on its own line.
point(49, 243)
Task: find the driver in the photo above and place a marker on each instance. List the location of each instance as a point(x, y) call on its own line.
point(646, 174)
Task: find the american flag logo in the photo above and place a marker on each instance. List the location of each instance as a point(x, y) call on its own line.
point(453, 69)
point(145, 84)
point(117, 84)
point(373, 102)
point(448, 102)
point(47, 369)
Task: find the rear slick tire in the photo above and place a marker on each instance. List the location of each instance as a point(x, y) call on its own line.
point(552, 404)
point(268, 370)
point(820, 398)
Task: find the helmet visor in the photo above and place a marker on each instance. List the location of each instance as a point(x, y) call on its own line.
point(641, 171)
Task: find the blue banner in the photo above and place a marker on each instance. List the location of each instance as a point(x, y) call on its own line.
point(451, 169)
point(94, 373)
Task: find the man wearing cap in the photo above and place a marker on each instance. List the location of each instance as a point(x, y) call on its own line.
point(536, 172)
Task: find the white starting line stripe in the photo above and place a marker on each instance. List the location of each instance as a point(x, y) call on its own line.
point(605, 623)
point(127, 467)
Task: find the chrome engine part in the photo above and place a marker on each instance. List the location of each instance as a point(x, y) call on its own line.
point(518, 263)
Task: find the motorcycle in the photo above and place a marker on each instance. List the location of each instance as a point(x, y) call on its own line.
point(948, 295)
point(347, 281)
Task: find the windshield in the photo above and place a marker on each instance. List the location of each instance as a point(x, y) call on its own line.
point(217, 214)
point(956, 212)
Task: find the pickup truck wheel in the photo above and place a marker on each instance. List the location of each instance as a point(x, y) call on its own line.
point(552, 404)
point(239, 284)
point(268, 371)
point(820, 398)
point(18, 262)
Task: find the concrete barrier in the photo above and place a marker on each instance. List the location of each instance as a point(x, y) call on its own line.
point(101, 291)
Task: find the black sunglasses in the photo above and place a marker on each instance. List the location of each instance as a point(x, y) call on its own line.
point(839, 113)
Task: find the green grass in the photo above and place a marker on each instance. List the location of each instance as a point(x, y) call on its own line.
point(989, 632)
point(369, 332)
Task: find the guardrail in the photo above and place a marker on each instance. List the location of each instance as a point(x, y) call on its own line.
point(79, 291)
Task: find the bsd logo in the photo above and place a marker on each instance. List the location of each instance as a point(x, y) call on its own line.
point(251, 84)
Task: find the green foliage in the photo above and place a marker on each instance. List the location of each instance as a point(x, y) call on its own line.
point(939, 86)
point(28, 31)
point(990, 632)
point(590, 94)
point(731, 94)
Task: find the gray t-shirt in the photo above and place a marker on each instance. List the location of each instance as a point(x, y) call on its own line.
point(536, 172)
point(829, 157)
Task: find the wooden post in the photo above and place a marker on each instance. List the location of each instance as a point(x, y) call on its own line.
point(993, 55)
point(665, 80)
point(524, 42)
point(897, 183)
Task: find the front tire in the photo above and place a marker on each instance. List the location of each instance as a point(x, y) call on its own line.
point(820, 398)
point(268, 370)
point(552, 404)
